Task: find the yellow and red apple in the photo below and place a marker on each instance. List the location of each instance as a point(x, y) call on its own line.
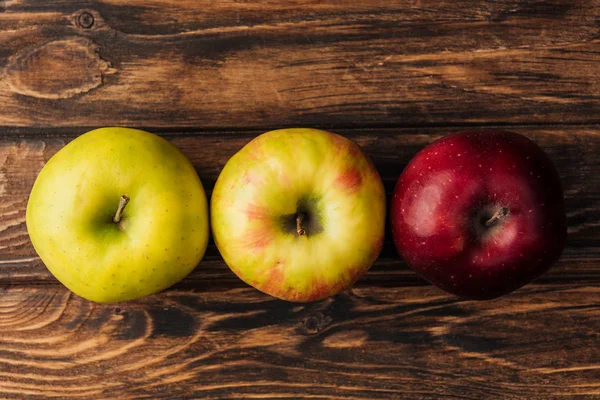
point(299, 213)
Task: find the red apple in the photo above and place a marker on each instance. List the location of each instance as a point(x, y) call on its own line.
point(479, 213)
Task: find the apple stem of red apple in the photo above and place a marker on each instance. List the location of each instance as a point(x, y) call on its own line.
point(501, 213)
point(299, 224)
point(119, 214)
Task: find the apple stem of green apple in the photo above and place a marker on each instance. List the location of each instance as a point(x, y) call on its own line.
point(499, 214)
point(119, 214)
point(299, 224)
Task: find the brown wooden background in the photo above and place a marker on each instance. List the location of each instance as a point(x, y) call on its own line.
point(211, 75)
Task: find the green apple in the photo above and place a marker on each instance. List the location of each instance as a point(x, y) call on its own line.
point(299, 214)
point(118, 214)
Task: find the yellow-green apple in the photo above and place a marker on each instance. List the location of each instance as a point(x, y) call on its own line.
point(479, 213)
point(118, 214)
point(299, 213)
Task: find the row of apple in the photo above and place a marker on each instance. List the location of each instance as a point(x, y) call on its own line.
point(299, 214)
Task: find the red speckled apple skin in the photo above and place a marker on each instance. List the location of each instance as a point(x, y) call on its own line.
point(449, 192)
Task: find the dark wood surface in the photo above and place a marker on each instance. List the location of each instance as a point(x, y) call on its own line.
point(215, 64)
point(368, 343)
point(210, 76)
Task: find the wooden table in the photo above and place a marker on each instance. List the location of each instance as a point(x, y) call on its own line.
point(211, 75)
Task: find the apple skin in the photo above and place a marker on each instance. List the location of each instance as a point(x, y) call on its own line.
point(453, 186)
point(268, 182)
point(161, 237)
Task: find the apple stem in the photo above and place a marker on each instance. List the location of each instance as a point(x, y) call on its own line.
point(501, 213)
point(299, 222)
point(122, 203)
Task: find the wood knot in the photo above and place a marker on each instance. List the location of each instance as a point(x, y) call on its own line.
point(315, 323)
point(57, 70)
point(88, 20)
point(85, 20)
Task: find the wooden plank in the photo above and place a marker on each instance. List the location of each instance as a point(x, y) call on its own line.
point(372, 343)
point(574, 150)
point(245, 64)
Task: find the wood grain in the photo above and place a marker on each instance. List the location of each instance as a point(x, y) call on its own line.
point(210, 76)
point(574, 150)
point(238, 64)
point(33, 72)
point(385, 343)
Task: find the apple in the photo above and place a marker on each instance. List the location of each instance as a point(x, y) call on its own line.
point(118, 214)
point(299, 214)
point(479, 213)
